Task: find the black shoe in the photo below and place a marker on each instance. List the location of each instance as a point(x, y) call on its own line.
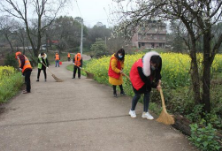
point(45, 80)
point(37, 80)
point(122, 93)
point(115, 95)
point(73, 78)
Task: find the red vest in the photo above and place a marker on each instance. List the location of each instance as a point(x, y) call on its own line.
point(112, 73)
point(134, 75)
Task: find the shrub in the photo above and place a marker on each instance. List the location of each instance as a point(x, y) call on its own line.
point(204, 138)
point(11, 61)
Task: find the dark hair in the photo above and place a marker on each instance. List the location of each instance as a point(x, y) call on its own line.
point(156, 60)
point(122, 51)
point(42, 53)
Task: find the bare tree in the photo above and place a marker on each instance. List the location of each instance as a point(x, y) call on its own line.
point(7, 26)
point(21, 37)
point(43, 10)
point(198, 17)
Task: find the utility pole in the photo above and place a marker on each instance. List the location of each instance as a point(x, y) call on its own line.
point(81, 40)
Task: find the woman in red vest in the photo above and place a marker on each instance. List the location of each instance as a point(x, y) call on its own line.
point(144, 75)
point(115, 71)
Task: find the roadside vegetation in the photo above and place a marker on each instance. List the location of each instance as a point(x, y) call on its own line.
point(205, 129)
point(11, 82)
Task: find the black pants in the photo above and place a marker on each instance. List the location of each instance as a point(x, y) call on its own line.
point(39, 71)
point(68, 59)
point(146, 99)
point(114, 89)
point(27, 75)
point(74, 72)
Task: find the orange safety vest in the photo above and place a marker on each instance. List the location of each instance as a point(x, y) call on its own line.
point(26, 65)
point(78, 60)
point(57, 57)
point(68, 55)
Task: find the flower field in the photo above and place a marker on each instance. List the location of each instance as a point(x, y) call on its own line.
point(10, 82)
point(175, 67)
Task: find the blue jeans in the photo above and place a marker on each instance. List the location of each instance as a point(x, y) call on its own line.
point(57, 63)
point(146, 100)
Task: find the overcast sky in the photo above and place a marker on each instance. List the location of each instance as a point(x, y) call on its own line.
point(92, 11)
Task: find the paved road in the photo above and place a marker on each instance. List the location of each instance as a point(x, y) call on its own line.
point(80, 115)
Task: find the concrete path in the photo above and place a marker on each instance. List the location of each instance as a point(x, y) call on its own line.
point(80, 115)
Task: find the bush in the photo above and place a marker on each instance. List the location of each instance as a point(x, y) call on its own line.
point(11, 61)
point(204, 138)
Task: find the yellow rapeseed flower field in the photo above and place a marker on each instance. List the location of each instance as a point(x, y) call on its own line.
point(175, 67)
point(5, 70)
point(10, 82)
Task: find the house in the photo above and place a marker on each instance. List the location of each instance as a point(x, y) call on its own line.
point(152, 35)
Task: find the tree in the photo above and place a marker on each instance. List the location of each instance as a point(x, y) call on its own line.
point(95, 33)
point(7, 26)
point(198, 17)
point(21, 38)
point(98, 49)
point(43, 10)
point(176, 37)
point(66, 31)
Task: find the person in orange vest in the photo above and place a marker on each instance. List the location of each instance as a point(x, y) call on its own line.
point(57, 58)
point(77, 60)
point(68, 55)
point(26, 68)
point(115, 71)
point(145, 75)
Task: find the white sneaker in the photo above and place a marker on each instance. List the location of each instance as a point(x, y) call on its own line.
point(132, 114)
point(147, 115)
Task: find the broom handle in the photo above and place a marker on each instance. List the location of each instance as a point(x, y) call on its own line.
point(48, 68)
point(126, 76)
point(80, 68)
point(162, 99)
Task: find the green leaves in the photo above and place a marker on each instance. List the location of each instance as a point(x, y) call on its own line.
point(204, 138)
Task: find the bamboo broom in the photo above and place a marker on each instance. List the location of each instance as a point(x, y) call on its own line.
point(57, 79)
point(164, 116)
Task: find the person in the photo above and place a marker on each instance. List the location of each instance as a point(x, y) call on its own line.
point(77, 60)
point(68, 55)
point(115, 71)
point(26, 68)
point(57, 58)
point(144, 75)
point(42, 65)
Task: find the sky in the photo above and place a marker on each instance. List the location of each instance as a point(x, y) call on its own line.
point(92, 11)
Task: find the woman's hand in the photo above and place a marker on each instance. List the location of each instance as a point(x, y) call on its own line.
point(159, 85)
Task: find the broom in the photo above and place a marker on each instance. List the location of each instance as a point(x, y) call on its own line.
point(164, 116)
point(57, 79)
point(126, 76)
point(88, 74)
